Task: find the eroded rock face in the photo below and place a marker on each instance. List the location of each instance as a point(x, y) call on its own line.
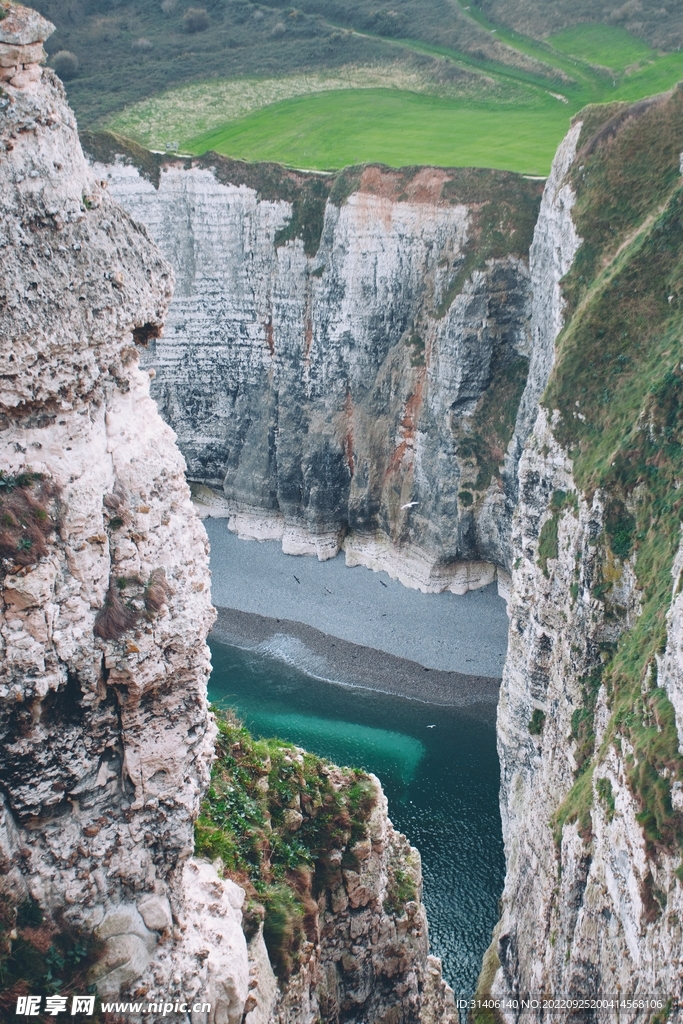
point(370, 961)
point(105, 606)
point(106, 738)
point(592, 904)
point(359, 389)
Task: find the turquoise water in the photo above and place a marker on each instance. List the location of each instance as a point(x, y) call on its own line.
point(438, 767)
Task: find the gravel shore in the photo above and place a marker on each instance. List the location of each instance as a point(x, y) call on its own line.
point(334, 660)
point(445, 632)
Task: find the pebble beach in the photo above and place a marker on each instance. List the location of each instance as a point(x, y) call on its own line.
point(262, 594)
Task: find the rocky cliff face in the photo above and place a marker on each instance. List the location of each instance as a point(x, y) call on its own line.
point(105, 588)
point(107, 742)
point(589, 720)
point(344, 357)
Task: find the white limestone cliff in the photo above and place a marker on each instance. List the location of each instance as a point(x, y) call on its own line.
point(107, 741)
point(326, 395)
point(588, 909)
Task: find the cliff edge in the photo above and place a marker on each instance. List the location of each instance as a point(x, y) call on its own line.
point(107, 740)
point(589, 721)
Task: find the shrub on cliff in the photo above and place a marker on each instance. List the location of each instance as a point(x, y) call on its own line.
point(196, 19)
point(115, 618)
point(28, 515)
point(65, 63)
point(38, 953)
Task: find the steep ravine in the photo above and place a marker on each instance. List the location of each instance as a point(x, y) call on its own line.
point(589, 722)
point(107, 741)
point(339, 350)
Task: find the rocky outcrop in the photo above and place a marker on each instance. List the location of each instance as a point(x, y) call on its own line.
point(344, 356)
point(107, 742)
point(345, 928)
point(589, 721)
point(106, 738)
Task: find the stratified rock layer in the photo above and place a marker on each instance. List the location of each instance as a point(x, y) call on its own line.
point(591, 770)
point(345, 370)
point(107, 741)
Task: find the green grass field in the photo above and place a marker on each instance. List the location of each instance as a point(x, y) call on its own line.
point(606, 45)
point(332, 129)
point(456, 108)
point(659, 76)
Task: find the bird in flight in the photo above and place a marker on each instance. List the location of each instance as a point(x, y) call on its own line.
point(296, 578)
point(409, 504)
point(383, 583)
point(431, 727)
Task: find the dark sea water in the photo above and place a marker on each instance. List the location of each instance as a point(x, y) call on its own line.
point(438, 767)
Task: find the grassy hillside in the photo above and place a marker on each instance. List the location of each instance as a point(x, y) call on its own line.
point(302, 84)
point(606, 45)
point(132, 49)
point(658, 22)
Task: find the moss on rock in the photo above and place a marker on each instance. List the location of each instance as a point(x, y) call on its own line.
point(282, 821)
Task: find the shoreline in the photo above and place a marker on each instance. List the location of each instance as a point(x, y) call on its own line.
point(343, 663)
point(446, 632)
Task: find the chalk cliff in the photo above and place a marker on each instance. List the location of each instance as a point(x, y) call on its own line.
point(344, 356)
point(321, 383)
point(346, 362)
point(590, 717)
point(107, 741)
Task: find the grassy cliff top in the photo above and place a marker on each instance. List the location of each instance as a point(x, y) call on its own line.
point(504, 205)
point(283, 823)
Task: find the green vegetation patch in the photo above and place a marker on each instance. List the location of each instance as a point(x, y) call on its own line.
point(536, 722)
point(655, 77)
point(334, 129)
point(603, 788)
point(548, 537)
point(583, 720)
point(257, 788)
point(626, 167)
point(649, 722)
point(608, 45)
point(547, 543)
point(485, 1009)
point(29, 515)
point(417, 350)
point(200, 107)
point(36, 955)
point(619, 358)
point(401, 889)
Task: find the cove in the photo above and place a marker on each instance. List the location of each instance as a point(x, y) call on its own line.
point(438, 766)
